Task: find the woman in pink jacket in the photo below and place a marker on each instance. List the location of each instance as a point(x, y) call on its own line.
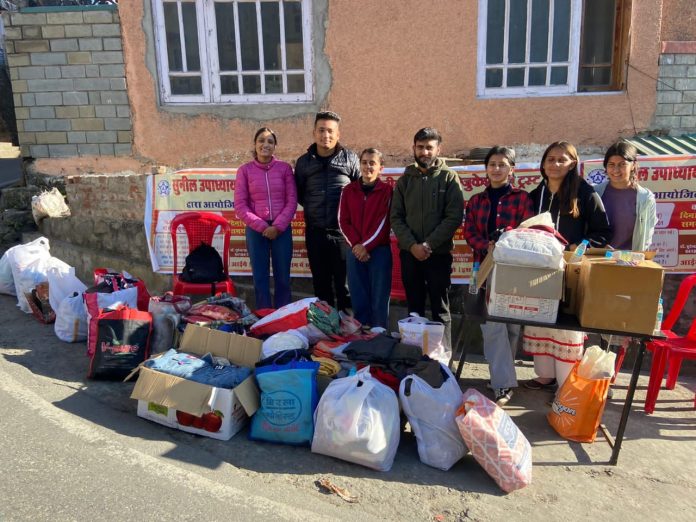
point(265, 198)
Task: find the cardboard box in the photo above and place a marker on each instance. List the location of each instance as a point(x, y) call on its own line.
point(569, 305)
point(619, 297)
point(526, 293)
point(160, 395)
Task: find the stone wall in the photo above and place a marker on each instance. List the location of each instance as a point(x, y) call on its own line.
point(69, 83)
point(676, 89)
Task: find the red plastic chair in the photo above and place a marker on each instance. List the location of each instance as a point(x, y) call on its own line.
point(672, 351)
point(200, 228)
point(397, 287)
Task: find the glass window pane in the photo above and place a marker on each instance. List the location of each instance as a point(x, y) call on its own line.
point(229, 85)
point(540, 31)
point(559, 75)
point(274, 84)
point(296, 83)
point(248, 37)
point(515, 77)
point(594, 76)
point(495, 27)
point(270, 26)
point(561, 30)
point(251, 84)
point(494, 77)
point(188, 14)
point(598, 43)
point(517, 32)
point(186, 85)
point(294, 55)
point(537, 76)
point(224, 21)
point(171, 27)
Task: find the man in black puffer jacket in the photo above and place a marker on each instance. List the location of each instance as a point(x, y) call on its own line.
point(320, 175)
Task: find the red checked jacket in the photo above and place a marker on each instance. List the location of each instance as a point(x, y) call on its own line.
point(364, 218)
point(513, 208)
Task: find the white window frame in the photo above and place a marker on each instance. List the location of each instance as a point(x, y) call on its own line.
point(534, 90)
point(210, 67)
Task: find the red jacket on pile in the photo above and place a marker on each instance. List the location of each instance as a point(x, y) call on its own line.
point(364, 218)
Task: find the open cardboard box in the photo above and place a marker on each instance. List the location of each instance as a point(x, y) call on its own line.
point(572, 277)
point(619, 297)
point(160, 395)
point(521, 292)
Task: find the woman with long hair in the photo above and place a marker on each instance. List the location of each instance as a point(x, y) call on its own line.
point(577, 213)
point(265, 199)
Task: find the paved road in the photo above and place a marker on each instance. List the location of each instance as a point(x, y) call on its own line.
point(73, 449)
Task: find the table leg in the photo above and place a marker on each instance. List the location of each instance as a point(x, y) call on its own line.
point(465, 345)
point(627, 405)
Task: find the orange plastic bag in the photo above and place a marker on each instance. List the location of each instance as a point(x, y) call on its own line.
point(577, 409)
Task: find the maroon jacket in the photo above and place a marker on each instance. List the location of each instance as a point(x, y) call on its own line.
point(364, 219)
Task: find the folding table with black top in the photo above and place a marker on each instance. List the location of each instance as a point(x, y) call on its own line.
point(475, 311)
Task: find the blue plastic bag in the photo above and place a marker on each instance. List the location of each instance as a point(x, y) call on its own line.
point(288, 400)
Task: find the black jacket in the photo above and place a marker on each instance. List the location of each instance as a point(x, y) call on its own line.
point(592, 224)
point(319, 184)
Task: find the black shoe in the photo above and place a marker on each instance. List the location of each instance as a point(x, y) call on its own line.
point(503, 396)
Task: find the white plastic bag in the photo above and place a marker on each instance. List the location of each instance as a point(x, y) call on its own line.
point(49, 204)
point(529, 247)
point(429, 335)
point(20, 256)
point(290, 340)
point(61, 284)
point(7, 285)
point(431, 413)
point(32, 274)
point(71, 319)
point(357, 420)
point(597, 364)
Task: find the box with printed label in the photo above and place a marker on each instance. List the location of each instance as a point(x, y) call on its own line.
point(198, 408)
point(619, 297)
point(525, 293)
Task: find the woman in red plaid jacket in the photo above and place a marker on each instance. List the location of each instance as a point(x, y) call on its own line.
point(499, 206)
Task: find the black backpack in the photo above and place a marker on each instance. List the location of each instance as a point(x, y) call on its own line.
point(203, 265)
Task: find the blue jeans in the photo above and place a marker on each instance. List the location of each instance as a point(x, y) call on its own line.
point(370, 286)
point(264, 252)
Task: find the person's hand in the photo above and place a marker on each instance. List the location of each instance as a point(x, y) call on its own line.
point(270, 233)
point(360, 253)
point(420, 251)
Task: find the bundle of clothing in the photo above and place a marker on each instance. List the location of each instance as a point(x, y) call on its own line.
point(208, 369)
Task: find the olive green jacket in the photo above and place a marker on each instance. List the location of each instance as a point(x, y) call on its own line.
point(427, 207)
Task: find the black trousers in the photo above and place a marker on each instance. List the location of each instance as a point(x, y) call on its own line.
point(432, 279)
point(326, 251)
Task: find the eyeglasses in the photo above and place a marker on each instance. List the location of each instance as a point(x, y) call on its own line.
point(620, 166)
point(496, 166)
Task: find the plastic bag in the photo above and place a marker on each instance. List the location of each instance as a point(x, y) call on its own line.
point(7, 285)
point(20, 256)
point(577, 409)
point(71, 319)
point(597, 364)
point(495, 441)
point(32, 274)
point(529, 247)
point(290, 340)
point(357, 420)
point(431, 413)
point(166, 314)
point(288, 317)
point(419, 331)
point(49, 204)
point(288, 399)
point(61, 284)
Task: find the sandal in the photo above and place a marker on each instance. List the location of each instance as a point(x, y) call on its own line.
point(534, 384)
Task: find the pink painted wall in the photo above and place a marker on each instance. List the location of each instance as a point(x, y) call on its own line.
point(397, 66)
point(679, 20)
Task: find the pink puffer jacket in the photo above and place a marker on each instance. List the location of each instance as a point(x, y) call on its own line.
point(265, 194)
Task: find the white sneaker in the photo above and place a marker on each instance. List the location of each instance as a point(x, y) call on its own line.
point(503, 396)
